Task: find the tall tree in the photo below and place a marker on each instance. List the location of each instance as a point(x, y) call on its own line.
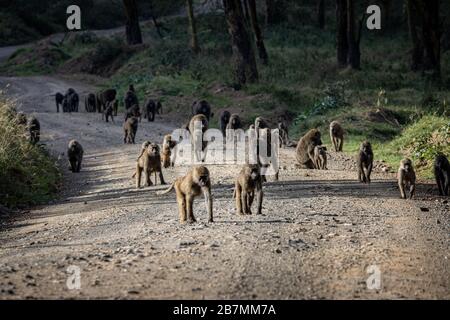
point(192, 27)
point(262, 52)
point(354, 54)
point(341, 34)
point(413, 25)
point(132, 28)
point(245, 62)
point(321, 13)
point(431, 34)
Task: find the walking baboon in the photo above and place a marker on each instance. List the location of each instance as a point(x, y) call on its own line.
point(106, 96)
point(90, 103)
point(337, 136)
point(196, 181)
point(109, 110)
point(283, 134)
point(223, 121)
point(75, 155)
point(151, 108)
point(442, 174)
point(320, 157)
point(247, 183)
point(166, 154)
point(34, 129)
point(304, 151)
point(406, 178)
point(202, 107)
point(130, 127)
point(149, 161)
point(133, 111)
point(71, 101)
point(365, 162)
point(130, 99)
point(59, 98)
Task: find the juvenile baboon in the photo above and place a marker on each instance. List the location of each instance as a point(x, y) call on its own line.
point(202, 107)
point(34, 129)
point(75, 155)
point(223, 121)
point(337, 136)
point(105, 96)
point(166, 154)
point(283, 134)
point(204, 122)
point(130, 99)
point(406, 178)
point(320, 157)
point(109, 110)
point(149, 161)
point(247, 183)
point(365, 162)
point(196, 181)
point(130, 127)
point(133, 111)
point(304, 151)
point(59, 98)
point(90, 102)
point(442, 174)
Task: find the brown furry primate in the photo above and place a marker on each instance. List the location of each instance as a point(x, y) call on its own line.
point(247, 183)
point(224, 118)
point(196, 181)
point(442, 174)
point(304, 151)
point(406, 178)
point(337, 135)
point(109, 111)
point(149, 161)
point(204, 127)
point(34, 129)
point(365, 162)
point(75, 154)
point(130, 127)
point(166, 155)
point(320, 157)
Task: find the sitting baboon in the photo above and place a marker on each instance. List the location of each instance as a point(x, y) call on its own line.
point(442, 174)
point(109, 110)
point(320, 157)
point(196, 181)
point(283, 134)
point(202, 107)
point(223, 121)
point(130, 127)
point(105, 96)
point(149, 161)
point(337, 136)
point(235, 122)
point(21, 118)
point(75, 155)
point(59, 98)
point(130, 99)
point(133, 111)
point(365, 162)
point(204, 125)
point(304, 151)
point(90, 103)
point(247, 183)
point(406, 178)
point(34, 129)
point(151, 108)
point(166, 155)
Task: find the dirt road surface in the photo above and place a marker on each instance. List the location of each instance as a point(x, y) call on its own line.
point(321, 235)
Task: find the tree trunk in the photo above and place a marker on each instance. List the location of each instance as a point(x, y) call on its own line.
point(413, 23)
point(431, 30)
point(275, 11)
point(192, 27)
point(245, 62)
point(341, 35)
point(132, 28)
point(257, 31)
point(321, 13)
point(354, 55)
point(246, 10)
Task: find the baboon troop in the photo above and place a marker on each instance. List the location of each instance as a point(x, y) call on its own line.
point(305, 148)
point(442, 174)
point(202, 107)
point(337, 136)
point(320, 157)
point(224, 118)
point(406, 178)
point(34, 129)
point(365, 162)
point(130, 127)
point(195, 182)
point(148, 162)
point(90, 102)
point(75, 155)
point(248, 182)
point(151, 108)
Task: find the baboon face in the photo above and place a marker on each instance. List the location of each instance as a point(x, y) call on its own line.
point(406, 164)
point(316, 138)
point(254, 172)
point(322, 150)
point(260, 123)
point(153, 148)
point(366, 147)
point(202, 176)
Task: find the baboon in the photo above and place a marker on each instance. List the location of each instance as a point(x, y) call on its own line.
point(337, 136)
point(365, 162)
point(223, 121)
point(234, 122)
point(204, 122)
point(90, 103)
point(202, 107)
point(247, 183)
point(105, 96)
point(304, 151)
point(115, 105)
point(75, 155)
point(149, 161)
point(265, 138)
point(283, 134)
point(166, 155)
point(130, 99)
point(320, 157)
point(251, 127)
point(130, 127)
point(71, 101)
point(21, 118)
point(151, 108)
point(406, 178)
point(109, 110)
point(261, 123)
point(442, 174)
point(133, 111)
point(34, 129)
point(59, 98)
point(196, 181)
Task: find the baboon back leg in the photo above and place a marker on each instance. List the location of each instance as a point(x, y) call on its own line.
point(244, 196)
point(250, 197)
point(238, 195)
point(341, 144)
point(190, 208)
point(79, 165)
point(161, 178)
point(259, 199)
point(369, 172)
point(439, 182)
point(181, 206)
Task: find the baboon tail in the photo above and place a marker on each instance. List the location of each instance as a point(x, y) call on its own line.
point(160, 193)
